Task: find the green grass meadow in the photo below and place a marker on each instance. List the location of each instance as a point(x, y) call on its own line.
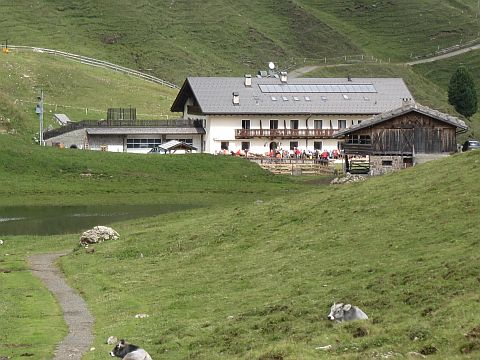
point(247, 279)
point(256, 281)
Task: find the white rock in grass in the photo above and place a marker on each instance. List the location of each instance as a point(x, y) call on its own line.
point(98, 234)
point(112, 340)
point(326, 347)
point(1, 242)
point(141, 316)
point(414, 354)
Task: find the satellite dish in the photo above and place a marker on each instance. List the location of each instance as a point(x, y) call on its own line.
point(271, 65)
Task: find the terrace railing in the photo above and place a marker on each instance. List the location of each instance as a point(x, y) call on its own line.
point(285, 133)
point(182, 123)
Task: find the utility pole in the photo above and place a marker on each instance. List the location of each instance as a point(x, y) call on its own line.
point(39, 111)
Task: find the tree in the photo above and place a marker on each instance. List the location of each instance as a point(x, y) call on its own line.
point(462, 93)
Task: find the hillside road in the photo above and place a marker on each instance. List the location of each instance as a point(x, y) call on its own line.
point(306, 69)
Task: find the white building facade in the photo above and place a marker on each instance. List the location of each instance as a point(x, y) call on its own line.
point(262, 114)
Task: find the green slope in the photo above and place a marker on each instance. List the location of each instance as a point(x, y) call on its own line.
point(176, 38)
point(242, 278)
point(397, 30)
point(256, 281)
point(80, 91)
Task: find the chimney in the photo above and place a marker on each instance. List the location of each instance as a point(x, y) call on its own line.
point(283, 77)
point(248, 80)
point(236, 98)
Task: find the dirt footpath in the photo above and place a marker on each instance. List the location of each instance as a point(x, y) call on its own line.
point(75, 311)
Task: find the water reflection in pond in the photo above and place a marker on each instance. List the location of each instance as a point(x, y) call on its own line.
point(51, 220)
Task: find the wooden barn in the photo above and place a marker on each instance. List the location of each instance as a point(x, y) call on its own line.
point(400, 138)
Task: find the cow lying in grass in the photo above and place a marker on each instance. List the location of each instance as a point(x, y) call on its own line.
point(128, 351)
point(346, 312)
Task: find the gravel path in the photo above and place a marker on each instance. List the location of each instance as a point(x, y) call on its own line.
point(446, 55)
point(75, 311)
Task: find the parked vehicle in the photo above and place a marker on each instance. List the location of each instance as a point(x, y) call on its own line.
point(471, 145)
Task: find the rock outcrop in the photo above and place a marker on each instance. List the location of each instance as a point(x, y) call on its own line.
point(349, 178)
point(97, 235)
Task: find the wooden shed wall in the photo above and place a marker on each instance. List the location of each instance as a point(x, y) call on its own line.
point(412, 132)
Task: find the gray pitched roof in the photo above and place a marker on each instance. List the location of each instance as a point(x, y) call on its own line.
point(214, 95)
point(406, 108)
point(145, 130)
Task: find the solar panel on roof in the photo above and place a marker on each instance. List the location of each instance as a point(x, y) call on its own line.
point(318, 88)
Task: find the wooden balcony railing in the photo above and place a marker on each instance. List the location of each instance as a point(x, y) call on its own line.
point(284, 133)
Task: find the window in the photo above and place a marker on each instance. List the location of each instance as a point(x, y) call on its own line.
point(359, 139)
point(293, 145)
point(245, 145)
point(143, 143)
point(387, 162)
point(318, 124)
point(317, 145)
point(342, 124)
point(273, 124)
point(245, 124)
point(293, 124)
point(224, 145)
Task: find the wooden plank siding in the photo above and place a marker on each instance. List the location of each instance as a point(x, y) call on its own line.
point(406, 134)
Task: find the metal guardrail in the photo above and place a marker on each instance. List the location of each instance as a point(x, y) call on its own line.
point(95, 62)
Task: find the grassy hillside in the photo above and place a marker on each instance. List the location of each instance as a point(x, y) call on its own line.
point(34, 175)
point(176, 38)
point(400, 29)
point(256, 282)
point(32, 322)
point(80, 91)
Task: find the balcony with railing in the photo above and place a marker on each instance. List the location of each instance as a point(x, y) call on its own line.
point(285, 133)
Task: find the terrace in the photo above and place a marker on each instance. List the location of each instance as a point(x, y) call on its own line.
point(284, 133)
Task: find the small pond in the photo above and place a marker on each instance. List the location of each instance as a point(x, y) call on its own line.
point(52, 220)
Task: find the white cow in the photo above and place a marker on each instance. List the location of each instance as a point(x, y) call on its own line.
point(346, 312)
